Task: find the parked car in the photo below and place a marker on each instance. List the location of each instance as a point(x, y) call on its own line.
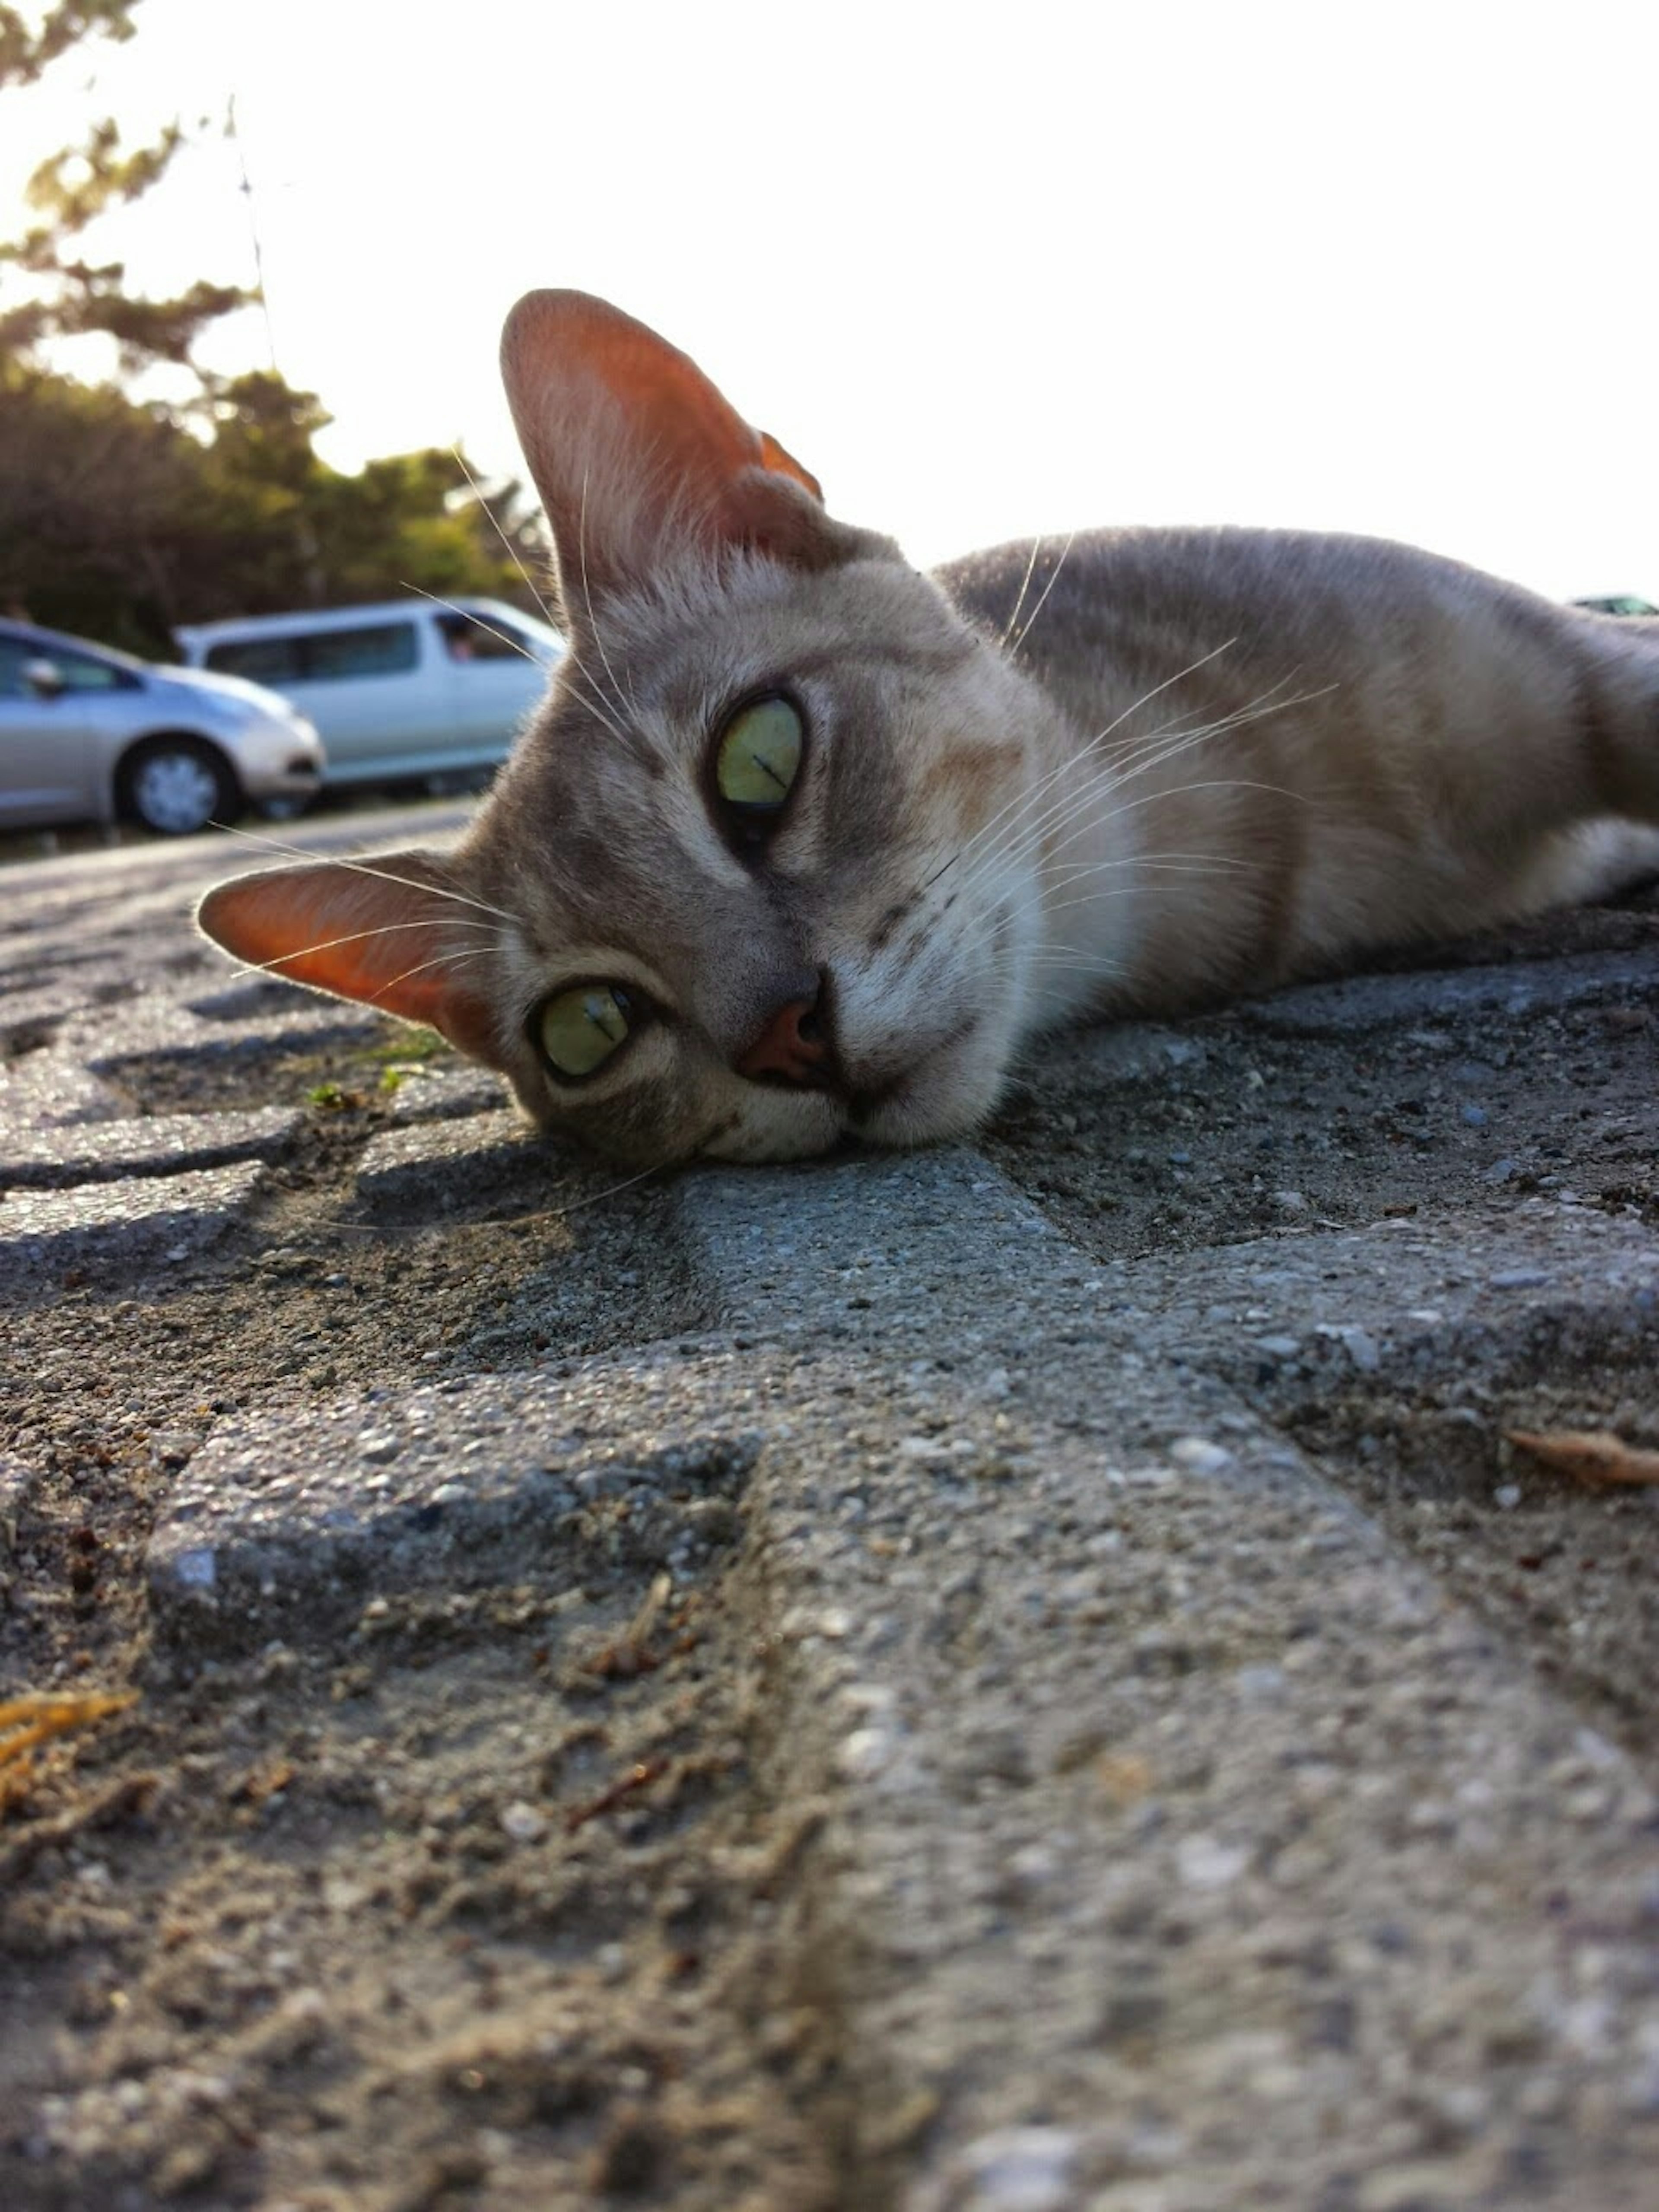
point(406, 688)
point(88, 735)
point(1622, 603)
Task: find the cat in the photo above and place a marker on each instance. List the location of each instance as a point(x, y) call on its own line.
point(805, 845)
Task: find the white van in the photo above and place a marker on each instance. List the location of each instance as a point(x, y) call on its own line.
point(403, 688)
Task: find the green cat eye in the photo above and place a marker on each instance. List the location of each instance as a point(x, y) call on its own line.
point(578, 1029)
point(758, 757)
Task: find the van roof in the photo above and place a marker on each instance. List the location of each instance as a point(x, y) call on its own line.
point(315, 619)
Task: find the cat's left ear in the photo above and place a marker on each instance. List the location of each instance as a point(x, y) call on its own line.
point(394, 933)
point(637, 456)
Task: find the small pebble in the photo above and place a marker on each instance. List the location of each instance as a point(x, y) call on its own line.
point(1205, 1863)
point(1020, 2170)
point(1198, 1456)
point(523, 1822)
point(1357, 1343)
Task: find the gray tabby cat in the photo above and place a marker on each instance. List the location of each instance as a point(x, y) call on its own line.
point(804, 844)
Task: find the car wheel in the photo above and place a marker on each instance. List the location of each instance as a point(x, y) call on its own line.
point(175, 786)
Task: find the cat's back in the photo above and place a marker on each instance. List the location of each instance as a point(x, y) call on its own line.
point(1058, 601)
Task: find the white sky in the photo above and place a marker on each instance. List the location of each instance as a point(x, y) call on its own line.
point(987, 272)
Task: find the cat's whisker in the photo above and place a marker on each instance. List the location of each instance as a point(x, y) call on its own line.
point(1106, 805)
point(447, 961)
point(1026, 798)
point(280, 963)
point(1141, 756)
point(1194, 865)
point(483, 929)
point(477, 621)
point(543, 1214)
point(1095, 898)
point(362, 867)
point(513, 551)
point(573, 672)
point(1053, 578)
point(1025, 586)
point(598, 1197)
point(624, 707)
point(1023, 836)
point(1103, 799)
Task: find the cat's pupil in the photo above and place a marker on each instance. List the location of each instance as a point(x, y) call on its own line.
point(759, 756)
point(578, 1029)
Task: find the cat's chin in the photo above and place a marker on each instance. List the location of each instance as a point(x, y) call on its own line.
point(773, 1125)
point(946, 1096)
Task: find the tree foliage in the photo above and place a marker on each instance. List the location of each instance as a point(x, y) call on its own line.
point(121, 517)
point(65, 294)
point(119, 522)
point(25, 55)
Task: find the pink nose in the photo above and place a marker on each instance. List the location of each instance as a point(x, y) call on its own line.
point(789, 1046)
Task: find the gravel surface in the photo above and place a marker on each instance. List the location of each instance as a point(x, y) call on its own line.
point(1021, 1679)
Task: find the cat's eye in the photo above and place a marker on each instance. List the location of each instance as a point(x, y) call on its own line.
point(578, 1029)
point(758, 757)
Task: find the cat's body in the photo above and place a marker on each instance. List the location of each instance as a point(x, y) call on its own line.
point(805, 844)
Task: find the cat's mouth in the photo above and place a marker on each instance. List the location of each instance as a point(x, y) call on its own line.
point(944, 1093)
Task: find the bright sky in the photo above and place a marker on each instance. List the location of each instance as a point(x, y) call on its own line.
point(987, 272)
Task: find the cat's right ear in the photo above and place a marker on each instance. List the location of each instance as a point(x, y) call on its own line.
point(394, 932)
point(638, 458)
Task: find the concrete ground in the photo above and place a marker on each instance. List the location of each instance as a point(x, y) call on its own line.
point(1015, 1678)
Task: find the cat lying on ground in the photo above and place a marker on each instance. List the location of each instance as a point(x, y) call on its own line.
point(804, 844)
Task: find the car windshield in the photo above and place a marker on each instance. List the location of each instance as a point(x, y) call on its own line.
point(48, 645)
point(497, 632)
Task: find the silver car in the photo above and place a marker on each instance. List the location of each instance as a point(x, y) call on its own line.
point(88, 735)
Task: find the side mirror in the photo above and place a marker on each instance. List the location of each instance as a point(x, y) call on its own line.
point(45, 678)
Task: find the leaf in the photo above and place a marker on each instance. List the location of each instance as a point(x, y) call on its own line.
point(1596, 1456)
point(28, 1722)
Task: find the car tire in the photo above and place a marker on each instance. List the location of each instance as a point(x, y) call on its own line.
point(177, 786)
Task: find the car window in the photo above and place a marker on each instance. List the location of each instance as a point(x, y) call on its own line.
point(80, 671)
point(483, 637)
point(386, 649)
point(15, 658)
point(319, 656)
point(262, 659)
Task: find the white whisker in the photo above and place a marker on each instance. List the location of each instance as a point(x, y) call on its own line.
point(478, 620)
point(1053, 578)
point(1027, 799)
point(362, 867)
point(513, 551)
point(1145, 755)
point(624, 707)
point(1024, 587)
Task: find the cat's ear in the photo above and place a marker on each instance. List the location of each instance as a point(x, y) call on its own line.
point(394, 932)
point(636, 455)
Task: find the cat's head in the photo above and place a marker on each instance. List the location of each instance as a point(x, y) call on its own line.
point(730, 895)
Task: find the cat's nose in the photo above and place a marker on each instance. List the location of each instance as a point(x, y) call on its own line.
point(791, 1047)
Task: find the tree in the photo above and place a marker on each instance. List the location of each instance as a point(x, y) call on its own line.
point(99, 498)
point(66, 294)
point(122, 518)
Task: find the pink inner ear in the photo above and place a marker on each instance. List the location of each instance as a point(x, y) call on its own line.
point(625, 435)
point(784, 464)
point(358, 934)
